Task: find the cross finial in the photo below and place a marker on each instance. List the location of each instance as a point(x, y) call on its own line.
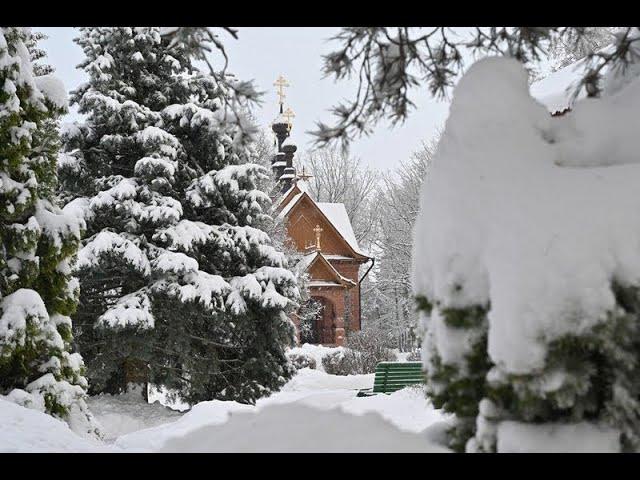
point(288, 114)
point(281, 82)
point(318, 230)
point(304, 176)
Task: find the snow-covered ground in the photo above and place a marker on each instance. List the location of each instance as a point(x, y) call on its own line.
point(122, 414)
point(314, 412)
point(26, 430)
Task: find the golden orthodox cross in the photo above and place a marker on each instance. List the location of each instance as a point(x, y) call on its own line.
point(318, 230)
point(280, 83)
point(288, 114)
point(304, 176)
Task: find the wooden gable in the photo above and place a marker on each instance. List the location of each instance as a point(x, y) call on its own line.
point(303, 217)
point(321, 270)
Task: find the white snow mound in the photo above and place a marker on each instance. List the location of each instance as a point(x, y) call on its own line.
point(28, 431)
point(307, 430)
point(341, 421)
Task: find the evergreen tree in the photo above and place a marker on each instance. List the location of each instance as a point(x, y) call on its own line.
point(179, 285)
point(308, 310)
point(37, 292)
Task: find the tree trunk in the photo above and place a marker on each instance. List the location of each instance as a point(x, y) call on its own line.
point(136, 376)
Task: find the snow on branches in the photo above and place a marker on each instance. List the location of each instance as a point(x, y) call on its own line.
point(526, 263)
point(37, 292)
point(162, 173)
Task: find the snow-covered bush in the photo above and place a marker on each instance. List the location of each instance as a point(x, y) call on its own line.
point(414, 356)
point(37, 244)
point(361, 354)
point(334, 363)
point(315, 351)
point(302, 360)
point(365, 349)
point(527, 267)
point(180, 285)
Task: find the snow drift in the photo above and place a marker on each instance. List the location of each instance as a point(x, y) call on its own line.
point(27, 430)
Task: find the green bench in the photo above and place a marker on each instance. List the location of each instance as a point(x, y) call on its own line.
point(393, 376)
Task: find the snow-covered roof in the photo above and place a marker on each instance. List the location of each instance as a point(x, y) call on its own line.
point(290, 205)
point(295, 185)
point(323, 283)
point(279, 163)
point(284, 195)
point(337, 215)
point(300, 184)
point(305, 261)
point(281, 119)
point(337, 257)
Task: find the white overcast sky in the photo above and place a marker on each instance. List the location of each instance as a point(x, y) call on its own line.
point(263, 53)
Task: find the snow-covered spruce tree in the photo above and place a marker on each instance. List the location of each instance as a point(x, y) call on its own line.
point(308, 310)
point(37, 292)
point(178, 285)
point(531, 302)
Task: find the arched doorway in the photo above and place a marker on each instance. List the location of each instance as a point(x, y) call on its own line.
point(325, 324)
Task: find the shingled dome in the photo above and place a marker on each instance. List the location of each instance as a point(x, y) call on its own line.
point(289, 146)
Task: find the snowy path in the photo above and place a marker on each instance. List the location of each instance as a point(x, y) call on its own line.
point(314, 412)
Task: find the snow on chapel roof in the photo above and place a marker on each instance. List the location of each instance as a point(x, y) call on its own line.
point(285, 211)
point(289, 142)
point(337, 215)
point(300, 186)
